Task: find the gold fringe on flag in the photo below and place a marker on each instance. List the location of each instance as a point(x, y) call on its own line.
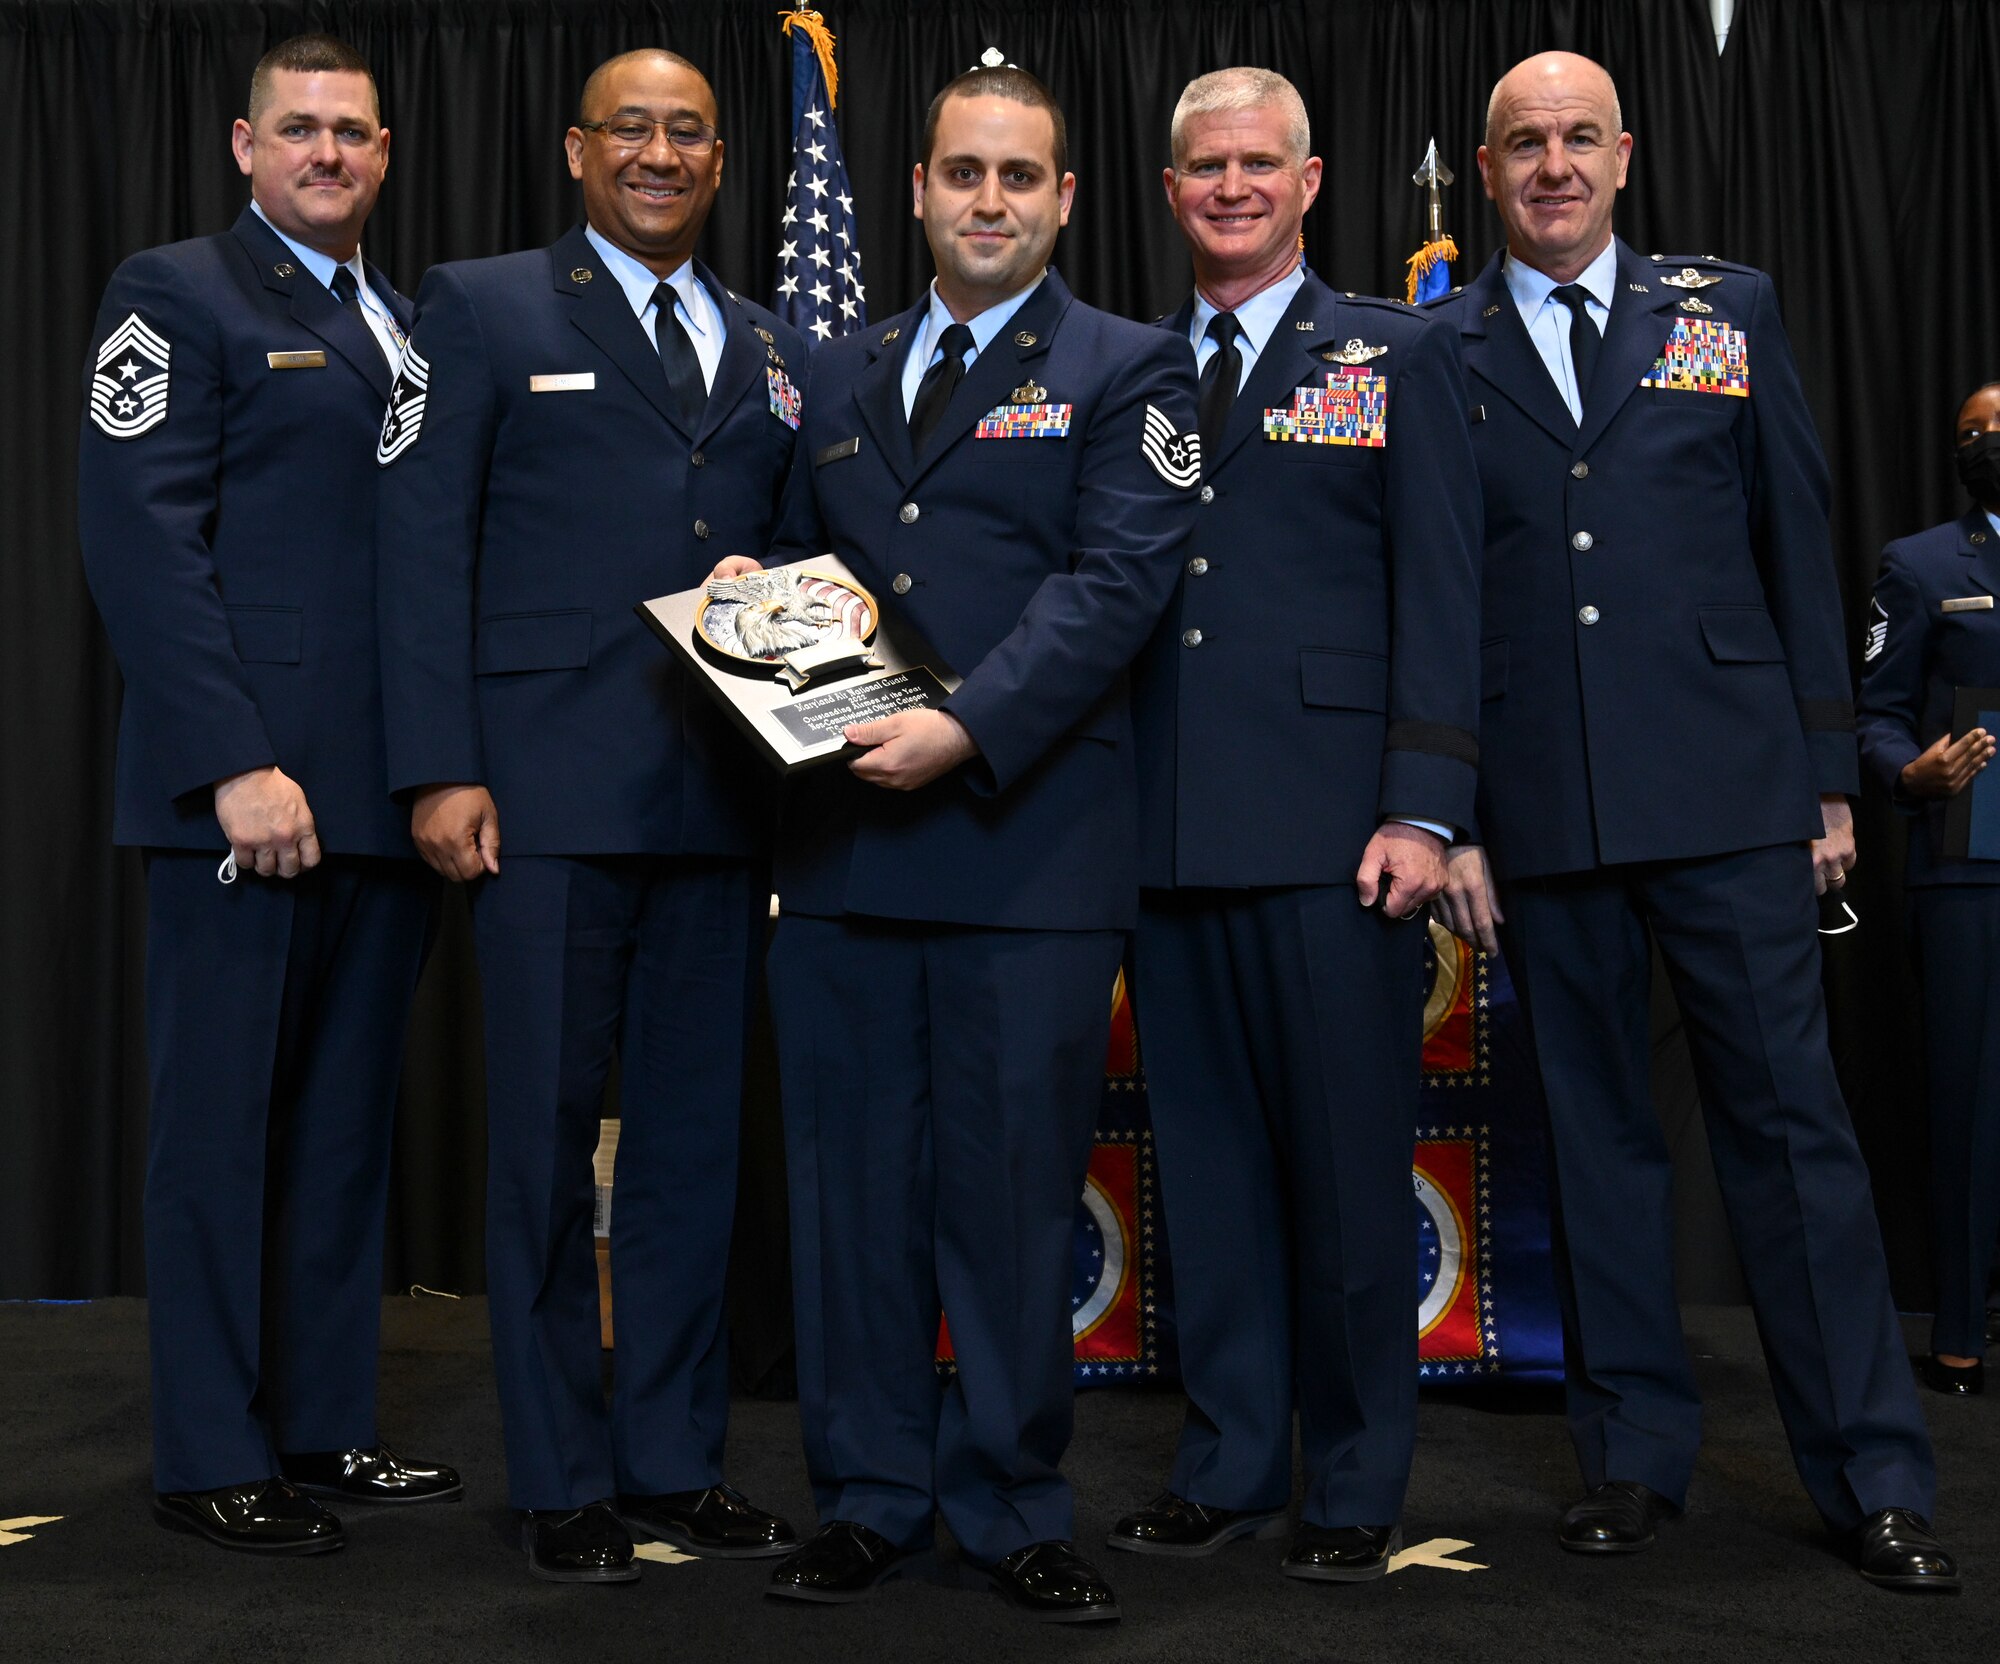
point(816, 31)
point(1421, 262)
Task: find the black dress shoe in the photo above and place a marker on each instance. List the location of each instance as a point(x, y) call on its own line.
point(1616, 1518)
point(265, 1516)
point(1342, 1553)
point(718, 1523)
point(1054, 1583)
point(842, 1562)
point(1171, 1524)
point(1895, 1548)
point(1957, 1380)
point(371, 1476)
point(1992, 1326)
point(581, 1545)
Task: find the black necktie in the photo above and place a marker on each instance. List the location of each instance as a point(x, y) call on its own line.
point(677, 357)
point(940, 382)
point(1584, 339)
point(1219, 377)
point(348, 293)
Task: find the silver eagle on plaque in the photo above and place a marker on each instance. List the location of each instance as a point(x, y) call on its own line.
point(797, 624)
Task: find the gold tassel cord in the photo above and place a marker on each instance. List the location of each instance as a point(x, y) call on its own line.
point(815, 30)
point(1421, 262)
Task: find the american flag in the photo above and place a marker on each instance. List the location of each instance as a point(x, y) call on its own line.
point(819, 259)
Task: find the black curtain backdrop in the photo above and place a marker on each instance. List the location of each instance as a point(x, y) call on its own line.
point(1837, 143)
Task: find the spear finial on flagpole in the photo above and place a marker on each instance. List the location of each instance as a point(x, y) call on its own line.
point(1430, 266)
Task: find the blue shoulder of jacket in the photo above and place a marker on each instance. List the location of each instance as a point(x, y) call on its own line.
point(195, 257)
point(1928, 547)
point(1703, 265)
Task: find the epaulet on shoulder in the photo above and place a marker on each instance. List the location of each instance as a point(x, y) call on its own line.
point(1701, 263)
point(1438, 300)
point(1387, 301)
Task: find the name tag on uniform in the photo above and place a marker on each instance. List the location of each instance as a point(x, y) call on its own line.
point(834, 452)
point(314, 360)
point(1969, 603)
point(582, 381)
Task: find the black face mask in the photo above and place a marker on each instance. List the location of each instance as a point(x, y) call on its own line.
point(1979, 467)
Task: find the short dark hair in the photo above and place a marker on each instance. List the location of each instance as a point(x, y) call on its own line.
point(595, 81)
point(308, 54)
point(1001, 81)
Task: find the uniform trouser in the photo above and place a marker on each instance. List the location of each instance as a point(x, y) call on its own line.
point(1282, 1035)
point(1957, 928)
point(275, 1015)
point(1737, 935)
point(941, 1085)
point(652, 958)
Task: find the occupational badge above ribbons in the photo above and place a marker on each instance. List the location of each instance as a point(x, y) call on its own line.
point(795, 654)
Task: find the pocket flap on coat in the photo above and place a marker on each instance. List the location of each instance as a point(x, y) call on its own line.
point(533, 641)
point(1741, 635)
point(267, 635)
point(1344, 681)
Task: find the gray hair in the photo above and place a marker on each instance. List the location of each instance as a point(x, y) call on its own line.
point(1244, 89)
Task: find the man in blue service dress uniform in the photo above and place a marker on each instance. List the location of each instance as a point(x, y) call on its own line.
point(1932, 630)
point(1015, 471)
point(226, 484)
point(1306, 720)
point(581, 428)
point(1666, 752)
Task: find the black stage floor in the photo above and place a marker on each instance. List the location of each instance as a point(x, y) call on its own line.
point(1745, 1576)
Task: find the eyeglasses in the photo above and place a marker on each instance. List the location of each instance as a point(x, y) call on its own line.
point(636, 132)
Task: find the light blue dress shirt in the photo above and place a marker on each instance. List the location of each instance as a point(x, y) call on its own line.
point(1255, 319)
point(1548, 320)
point(938, 319)
point(1994, 521)
point(374, 311)
point(692, 305)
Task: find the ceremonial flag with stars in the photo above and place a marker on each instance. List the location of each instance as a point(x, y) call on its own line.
point(819, 257)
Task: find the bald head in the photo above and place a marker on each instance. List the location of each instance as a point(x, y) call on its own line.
point(601, 77)
point(1554, 161)
point(1537, 76)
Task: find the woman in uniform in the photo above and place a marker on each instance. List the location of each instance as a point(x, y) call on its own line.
point(1933, 629)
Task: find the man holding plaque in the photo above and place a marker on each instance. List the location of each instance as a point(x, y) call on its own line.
point(1307, 749)
point(1015, 471)
point(1667, 750)
point(576, 429)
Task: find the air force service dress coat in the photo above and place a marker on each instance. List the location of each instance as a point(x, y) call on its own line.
point(1933, 629)
point(539, 482)
point(1666, 697)
point(943, 968)
point(1315, 675)
point(226, 501)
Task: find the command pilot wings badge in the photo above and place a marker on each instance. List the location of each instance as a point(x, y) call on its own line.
point(1353, 353)
point(404, 419)
point(128, 392)
point(1175, 456)
point(1688, 278)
